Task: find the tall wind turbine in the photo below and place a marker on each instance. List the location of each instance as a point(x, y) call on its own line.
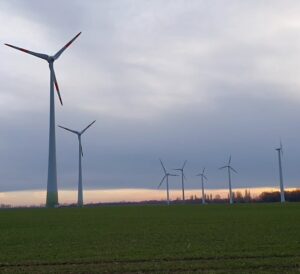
point(202, 183)
point(229, 168)
point(79, 133)
point(280, 153)
point(182, 178)
point(52, 195)
point(166, 177)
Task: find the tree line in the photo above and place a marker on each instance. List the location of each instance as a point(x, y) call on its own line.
point(246, 197)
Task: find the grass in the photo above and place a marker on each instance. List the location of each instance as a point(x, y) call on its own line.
point(245, 238)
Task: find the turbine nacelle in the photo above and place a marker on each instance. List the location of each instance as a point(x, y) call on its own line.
point(50, 59)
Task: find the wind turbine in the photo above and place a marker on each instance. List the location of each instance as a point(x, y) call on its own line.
point(229, 168)
point(52, 195)
point(167, 180)
point(202, 183)
point(182, 178)
point(280, 153)
point(79, 133)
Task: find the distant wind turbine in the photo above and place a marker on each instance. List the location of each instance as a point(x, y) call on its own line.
point(280, 153)
point(202, 183)
point(182, 178)
point(79, 133)
point(166, 177)
point(52, 195)
point(229, 168)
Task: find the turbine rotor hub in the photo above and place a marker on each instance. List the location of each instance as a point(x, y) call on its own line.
point(51, 59)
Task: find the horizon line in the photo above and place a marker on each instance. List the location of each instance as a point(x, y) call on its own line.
point(109, 195)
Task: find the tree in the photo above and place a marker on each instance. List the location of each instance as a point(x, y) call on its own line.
point(270, 196)
point(217, 197)
point(239, 197)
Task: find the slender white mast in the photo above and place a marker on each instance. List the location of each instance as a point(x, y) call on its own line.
point(80, 188)
point(182, 186)
point(203, 195)
point(80, 191)
point(282, 197)
point(167, 183)
point(230, 189)
point(166, 177)
point(182, 179)
point(202, 184)
point(229, 168)
point(52, 192)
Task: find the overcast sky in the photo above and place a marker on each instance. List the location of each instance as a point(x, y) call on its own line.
point(195, 80)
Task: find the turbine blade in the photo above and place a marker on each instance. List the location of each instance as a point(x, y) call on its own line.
point(56, 84)
point(233, 169)
point(56, 56)
point(184, 164)
point(229, 160)
point(163, 166)
point(179, 169)
point(205, 177)
point(184, 177)
point(36, 54)
point(87, 127)
point(203, 170)
point(223, 167)
point(162, 181)
point(73, 131)
point(173, 175)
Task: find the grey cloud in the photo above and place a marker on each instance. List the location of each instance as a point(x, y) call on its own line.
point(195, 80)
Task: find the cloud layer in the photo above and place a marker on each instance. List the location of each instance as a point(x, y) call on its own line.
point(195, 80)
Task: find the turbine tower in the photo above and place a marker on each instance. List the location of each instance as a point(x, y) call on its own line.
point(79, 133)
point(166, 176)
point(280, 153)
point(202, 183)
point(182, 178)
point(52, 195)
point(229, 168)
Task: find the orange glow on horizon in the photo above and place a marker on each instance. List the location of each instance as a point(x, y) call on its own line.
point(37, 197)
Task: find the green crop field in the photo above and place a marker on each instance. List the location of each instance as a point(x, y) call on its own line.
point(253, 238)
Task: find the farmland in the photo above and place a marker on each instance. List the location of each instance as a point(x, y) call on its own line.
point(243, 238)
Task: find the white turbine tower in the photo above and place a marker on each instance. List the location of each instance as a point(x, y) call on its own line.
point(182, 178)
point(79, 133)
point(229, 168)
point(280, 153)
point(202, 183)
point(167, 181)
point(52, 195)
